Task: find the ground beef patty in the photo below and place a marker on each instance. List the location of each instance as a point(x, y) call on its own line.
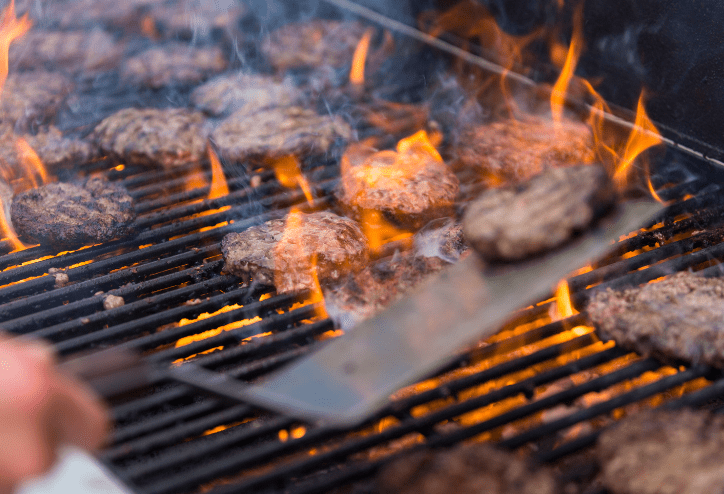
point(67, 215)
point(664, 452)
point(465, 469)
point(150, 136)
point(32, 98)
point(175, 63)
point(197, 19)
point(276, 132)
point(409, 187)
point(514, 222)
point(679, 318)
point(246, 93)
point(512, 151)
point(282, 252)
point(71, 51)
point(316, 43)
point(53, 149)
point(361, 295)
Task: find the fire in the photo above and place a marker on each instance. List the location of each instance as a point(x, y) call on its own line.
point(560, 89)
point(11, 28)
point(219, 187)
point(357, 73)
point(380, 232)
point(419, 142)
point(564, 307)
point(30, 161)
point(643, 136)
point(8, 231)
point(213, 332)
point(289, 174)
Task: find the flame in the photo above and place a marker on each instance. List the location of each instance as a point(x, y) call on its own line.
point(8, 231)
point(30, 161)
point(380, 232)
point(357, 73)
point(560, 89)
point(219, 187)
point(418, 143)
point(11, 28)
point(564, 307)
point(289, 174)
point(643, 136)
point(213, 332)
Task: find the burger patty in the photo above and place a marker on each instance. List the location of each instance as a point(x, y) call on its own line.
point(518, 221)
point(511, 151)
point(52, 148)
point(32, 98)
point(679, 318)
point(175, 63)
point(289, 253)
point(68, 215)
point(664, 452)
point(409, 188)
point(150, 136)
point(246, 93)
point(276, 132)
point(197, 19)
point(465, 469)
point(443, 238)
point(71, 51)
point(316, 43)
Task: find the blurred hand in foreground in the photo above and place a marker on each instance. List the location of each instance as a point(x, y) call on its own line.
point(40, 410)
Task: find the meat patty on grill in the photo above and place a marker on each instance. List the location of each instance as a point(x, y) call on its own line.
point(466, 469)
point(441, 238)
point(175, 63)
point(70, 215)
point(32, 98)
point(514, 222)
point(71, 51)
point(361, 295)
point(53, 149)
point(316, 43)
point(679, 318)
point(276, 132)
point(184, 19)
point(246, 93)
point(409, 188)
point(515, 150)
point(664, 452)
point(283, 253)
point(150, 136)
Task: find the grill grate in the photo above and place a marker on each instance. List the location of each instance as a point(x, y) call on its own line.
point(171, 439)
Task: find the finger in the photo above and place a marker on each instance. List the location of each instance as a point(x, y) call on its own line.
point(79, 417)
point(26, 452)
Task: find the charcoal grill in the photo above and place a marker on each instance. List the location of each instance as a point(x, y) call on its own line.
point(545, 386)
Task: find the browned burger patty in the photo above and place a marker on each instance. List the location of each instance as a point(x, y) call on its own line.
point(314, 43)
point(172, 64)
point(513, 151)
point(361, 295)
point(542, 213)
point(441, 238)
point(32, 98)
point(50, 145)
point(246, 93)
point(72, 51)
point(124, 14)
point(70, 215)
point(466, 469)
point(282, 252)
point(196, 18)
point(664, 452)
point(679, 318)
point(409, 188)
point(276, 132)
point(149, 136)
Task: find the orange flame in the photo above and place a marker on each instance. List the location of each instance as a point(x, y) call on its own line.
point(219, 187)
point(560, 89)
point(30, 162)
point(643, 136)
point(290, 175)
point(11, 28)
point(564, 306)
point(380, 232)
point(357, 73)
point(418, 143)
point(8, 231)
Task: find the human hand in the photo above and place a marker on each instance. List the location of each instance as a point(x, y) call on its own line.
point(40, 410)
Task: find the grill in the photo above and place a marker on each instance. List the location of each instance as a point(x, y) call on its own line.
point(543, 385)
point(548, 386)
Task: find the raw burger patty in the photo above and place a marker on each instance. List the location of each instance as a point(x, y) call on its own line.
point(514, 222)
point(282, 252)
point(664, 452)
point(73, 214)
point(679, 318)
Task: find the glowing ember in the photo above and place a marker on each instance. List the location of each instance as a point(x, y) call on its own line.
point(219, 187)
point(357, 73)
point(289, 174)
point(643, 136)
point(213, 332)
point(11, 28)
point(30, 162)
